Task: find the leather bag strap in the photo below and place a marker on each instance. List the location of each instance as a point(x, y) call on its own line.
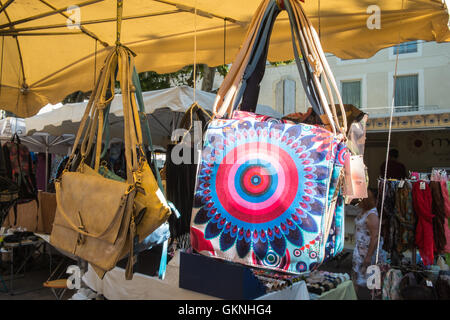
point(306, 42)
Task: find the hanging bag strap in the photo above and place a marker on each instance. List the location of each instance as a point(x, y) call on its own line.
point(90, 109)
point(140, 117)
point(305, 40)
point(146, 126)
point(227, 90)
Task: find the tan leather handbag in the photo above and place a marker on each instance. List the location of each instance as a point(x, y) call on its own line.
point(100, 219)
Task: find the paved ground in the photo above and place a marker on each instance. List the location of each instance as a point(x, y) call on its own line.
point(29, 286)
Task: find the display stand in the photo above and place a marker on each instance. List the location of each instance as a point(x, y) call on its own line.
point(344, 291)
point(33, 246)
point(221, 279)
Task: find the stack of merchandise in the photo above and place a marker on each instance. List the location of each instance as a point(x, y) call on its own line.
point(414, 284)
point(319, 282)
point(275, 281)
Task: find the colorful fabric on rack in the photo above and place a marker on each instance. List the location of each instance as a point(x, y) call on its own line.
point(389, 223)
point(391, 285)
point(422, 201)
point(56, 161)
point(446, 198)
point(439, 219)
point(406, 218)
point(262, 193)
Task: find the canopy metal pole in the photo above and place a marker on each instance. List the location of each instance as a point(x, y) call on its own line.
point(200, 12)
point(89, 22)
point(6, 5)
point(46, 163)
point(46, 14)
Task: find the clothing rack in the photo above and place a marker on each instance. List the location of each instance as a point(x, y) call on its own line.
point(423, 177)
point(417, 270)
point(414, 248)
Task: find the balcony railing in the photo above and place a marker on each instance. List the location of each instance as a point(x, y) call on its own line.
point(380, 112)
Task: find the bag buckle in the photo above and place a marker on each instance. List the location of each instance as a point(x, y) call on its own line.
point(130, 189)
point(81, 238)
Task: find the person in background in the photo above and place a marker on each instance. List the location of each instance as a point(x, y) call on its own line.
point(395, 169)
point(366, 240)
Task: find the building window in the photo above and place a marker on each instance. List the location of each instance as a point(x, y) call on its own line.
point(407, 47)
point(351, 92)
point(407, 93)
point(285, 96)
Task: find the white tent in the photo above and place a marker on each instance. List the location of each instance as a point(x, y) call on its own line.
point(164, 108)
point(10, 125)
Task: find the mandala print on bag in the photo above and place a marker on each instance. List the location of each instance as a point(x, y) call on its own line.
point(261, 193)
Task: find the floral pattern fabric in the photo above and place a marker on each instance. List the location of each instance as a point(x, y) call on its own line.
point(391, 285)
point(362, 241)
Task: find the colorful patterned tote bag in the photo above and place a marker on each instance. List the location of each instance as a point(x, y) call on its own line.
point(268, 193)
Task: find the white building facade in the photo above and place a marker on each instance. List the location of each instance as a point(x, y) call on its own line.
point(421, 124)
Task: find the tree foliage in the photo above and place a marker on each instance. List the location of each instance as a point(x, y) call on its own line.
point(151, 80)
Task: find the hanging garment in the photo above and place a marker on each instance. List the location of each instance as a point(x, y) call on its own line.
point(406, 217)
point(438, 208)
point(180, 186)
point(447, 256)
point(20, 169)
point(422, 201)
point(181, 175)
point(389, 223)
point(362, 241)
point(446, 198)
point(40, 171)
point(391, 285)
point(56, 160)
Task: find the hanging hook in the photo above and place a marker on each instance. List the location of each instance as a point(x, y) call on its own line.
point(119, 21)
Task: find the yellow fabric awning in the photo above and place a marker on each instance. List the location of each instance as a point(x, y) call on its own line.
point(42, 60)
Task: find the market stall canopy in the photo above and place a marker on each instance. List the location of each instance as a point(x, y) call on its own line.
point(164, 108)
point(38, 141)
point(51, 48)
point(46, 143)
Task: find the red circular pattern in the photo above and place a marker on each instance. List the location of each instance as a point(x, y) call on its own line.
point(259, 213)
